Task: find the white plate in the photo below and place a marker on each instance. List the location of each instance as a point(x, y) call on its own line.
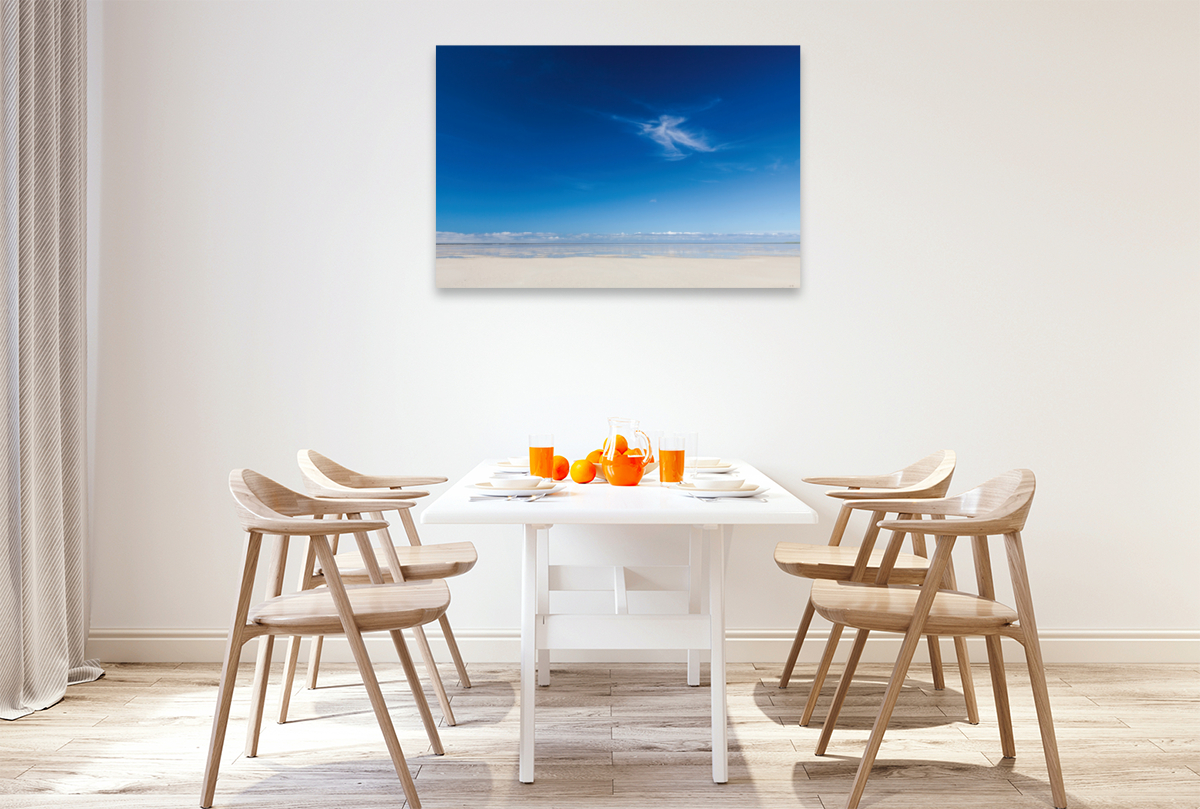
point(709, 470)
point(747, 490)
point(509, 466)
point(497, 488)
point(708, 465)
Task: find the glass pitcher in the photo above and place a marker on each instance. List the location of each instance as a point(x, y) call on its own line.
point(628, 453)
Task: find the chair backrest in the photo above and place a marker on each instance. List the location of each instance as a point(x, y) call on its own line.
point(266, 507)
point(928, 477)
point(935, 468)
point(1003, 501)
point(999, 506)
point(321, 472)
point(324, 477)
point(260, 500)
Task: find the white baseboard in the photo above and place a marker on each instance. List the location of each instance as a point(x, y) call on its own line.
point(742, 646)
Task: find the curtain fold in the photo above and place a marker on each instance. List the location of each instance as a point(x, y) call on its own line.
point(43, 494)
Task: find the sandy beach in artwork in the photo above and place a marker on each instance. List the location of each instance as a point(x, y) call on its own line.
point(618, 271)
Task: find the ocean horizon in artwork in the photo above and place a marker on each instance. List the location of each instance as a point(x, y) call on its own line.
point(648, 166)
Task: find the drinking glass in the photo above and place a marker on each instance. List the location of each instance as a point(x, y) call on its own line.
point(671, 455)
point(691, 450)
point(541, 455)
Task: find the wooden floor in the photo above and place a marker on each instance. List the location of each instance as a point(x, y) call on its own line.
point(610, 736)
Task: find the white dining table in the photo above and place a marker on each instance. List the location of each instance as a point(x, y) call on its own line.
point(649, 503)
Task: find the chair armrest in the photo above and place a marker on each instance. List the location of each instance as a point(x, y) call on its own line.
point(855, 481)
point(397, 481)
point(915, 505)
point(347, 505)
point(878, 494)
point(309, 528)
point(949, 528)
point(360, 494)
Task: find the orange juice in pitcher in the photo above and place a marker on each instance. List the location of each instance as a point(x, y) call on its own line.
point(628, 453)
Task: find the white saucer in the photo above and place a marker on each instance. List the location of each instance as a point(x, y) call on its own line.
point(498, 489)
point(509, 466)
point(747, 490)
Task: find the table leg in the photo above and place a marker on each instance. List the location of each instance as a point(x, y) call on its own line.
point(695, 567)
point(716, 607)
point(543, 599)
point(529, 599)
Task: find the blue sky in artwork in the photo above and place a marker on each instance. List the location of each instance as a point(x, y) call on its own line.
point(552, 143)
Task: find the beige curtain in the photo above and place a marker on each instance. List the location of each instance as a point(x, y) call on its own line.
point(43, 571)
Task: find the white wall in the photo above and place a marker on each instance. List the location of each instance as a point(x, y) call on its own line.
point(1001, 256)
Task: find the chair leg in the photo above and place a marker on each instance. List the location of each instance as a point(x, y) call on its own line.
point(382, 716)
point(414, 684)
point(220, 722)
point(835, 634)
point(839, 697)
point(233, 651)
point(912, 638)
point(293, 650)
point(262, 666)
point(968, 682)
point(790, 663)
point(367, 672)
point(935, 662)
point(289, 676)
point(435, 677)
point(258, 694)
point(464, 679)
point(1008, 742)
point(314, 661)
point(835, 539)
point(1037, 669)
point(964, 659)
point(895, 685)
point(987, 589)
point(1041, 701)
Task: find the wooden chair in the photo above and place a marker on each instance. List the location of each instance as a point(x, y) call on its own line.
point(928, 477)
point(406, 563)
point(264, 507)
point(998, 507)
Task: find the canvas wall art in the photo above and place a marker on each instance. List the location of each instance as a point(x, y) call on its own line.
point(612, 166)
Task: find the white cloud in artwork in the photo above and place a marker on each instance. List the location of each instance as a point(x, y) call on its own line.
point(668, 132)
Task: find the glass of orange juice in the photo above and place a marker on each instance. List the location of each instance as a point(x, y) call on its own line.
point(670, 457)
point(541, 455)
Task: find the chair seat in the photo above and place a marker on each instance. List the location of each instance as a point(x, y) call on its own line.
point(417, 562)
point(376, 607)
point(889, 608)
point(837, 563)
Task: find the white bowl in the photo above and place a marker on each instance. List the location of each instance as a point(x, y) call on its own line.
point(723, 483)
point(518, 482)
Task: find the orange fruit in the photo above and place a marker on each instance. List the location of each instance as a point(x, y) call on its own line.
point(634, 451)
point(560, 467)
point(594, 455)
point(622, 445)
point(583, 471)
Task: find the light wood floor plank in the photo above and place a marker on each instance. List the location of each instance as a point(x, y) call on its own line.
point(611, 737)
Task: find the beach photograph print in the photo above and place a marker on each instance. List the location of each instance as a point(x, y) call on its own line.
point(616, 167)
